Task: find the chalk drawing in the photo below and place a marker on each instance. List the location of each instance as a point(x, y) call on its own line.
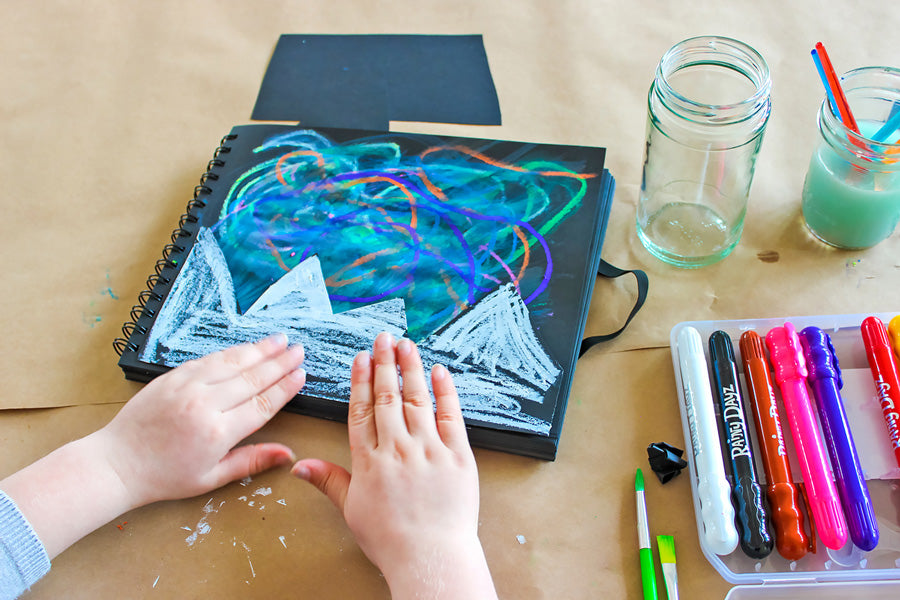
point(333, 243)
point(496, 359)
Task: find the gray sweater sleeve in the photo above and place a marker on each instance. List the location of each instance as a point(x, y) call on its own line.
point(23, 559)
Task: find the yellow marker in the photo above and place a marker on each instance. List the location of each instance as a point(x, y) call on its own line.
point(894, 336)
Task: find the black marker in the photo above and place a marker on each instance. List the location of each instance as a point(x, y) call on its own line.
point(756, 541)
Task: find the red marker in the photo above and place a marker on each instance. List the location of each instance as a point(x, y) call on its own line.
point(887, 380)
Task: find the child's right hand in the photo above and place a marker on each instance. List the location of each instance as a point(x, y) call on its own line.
point(412, 498)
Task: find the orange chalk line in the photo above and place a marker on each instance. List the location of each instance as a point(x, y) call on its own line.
point(334, 280)
point(496, 163)
point(277, 255)
point(320, 162)
point(460, 305)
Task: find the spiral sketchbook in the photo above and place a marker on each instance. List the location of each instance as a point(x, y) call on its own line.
point(483, 252)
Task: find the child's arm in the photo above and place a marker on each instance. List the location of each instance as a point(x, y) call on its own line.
point(174, 439)
point(412, 498)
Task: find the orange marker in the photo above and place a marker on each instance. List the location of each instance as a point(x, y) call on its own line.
point(787, 519)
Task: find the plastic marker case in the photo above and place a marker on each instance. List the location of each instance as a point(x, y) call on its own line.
point(825, 574)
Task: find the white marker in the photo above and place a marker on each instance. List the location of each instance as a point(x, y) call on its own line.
point(713, 491)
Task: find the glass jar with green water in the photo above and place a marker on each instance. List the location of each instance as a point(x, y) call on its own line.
point(851, 195)
point(708, 107)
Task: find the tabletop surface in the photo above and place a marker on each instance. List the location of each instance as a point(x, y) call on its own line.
point(110, 113)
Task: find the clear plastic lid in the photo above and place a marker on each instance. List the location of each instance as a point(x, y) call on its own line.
point(871, 437)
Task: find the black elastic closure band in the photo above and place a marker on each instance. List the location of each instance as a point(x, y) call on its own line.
point(643, 285)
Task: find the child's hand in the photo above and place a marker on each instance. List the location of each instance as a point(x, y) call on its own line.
point(412, 499)
point(176, 438)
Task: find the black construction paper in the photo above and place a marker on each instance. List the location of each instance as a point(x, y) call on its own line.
point(365, 81)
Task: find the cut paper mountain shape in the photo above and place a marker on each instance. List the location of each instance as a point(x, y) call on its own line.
point(498, 364)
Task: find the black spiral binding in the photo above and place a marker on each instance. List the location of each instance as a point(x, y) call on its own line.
point(150, 300)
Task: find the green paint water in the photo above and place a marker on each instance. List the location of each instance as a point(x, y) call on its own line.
point(850, 207)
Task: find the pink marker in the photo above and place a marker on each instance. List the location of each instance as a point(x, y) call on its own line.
point(790, 373)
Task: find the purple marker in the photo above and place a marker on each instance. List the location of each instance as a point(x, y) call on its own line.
point(825, 381)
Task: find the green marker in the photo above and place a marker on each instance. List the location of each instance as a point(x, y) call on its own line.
point(648, 572)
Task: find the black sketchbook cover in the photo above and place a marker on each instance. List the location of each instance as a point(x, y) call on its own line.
point(483, 252)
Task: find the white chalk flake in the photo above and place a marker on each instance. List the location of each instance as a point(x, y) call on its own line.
point(491, 349)
point(202, 527)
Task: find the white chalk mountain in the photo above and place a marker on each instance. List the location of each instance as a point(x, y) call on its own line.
point(499, 366)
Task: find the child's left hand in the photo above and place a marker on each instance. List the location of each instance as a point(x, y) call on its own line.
point(176, 437)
